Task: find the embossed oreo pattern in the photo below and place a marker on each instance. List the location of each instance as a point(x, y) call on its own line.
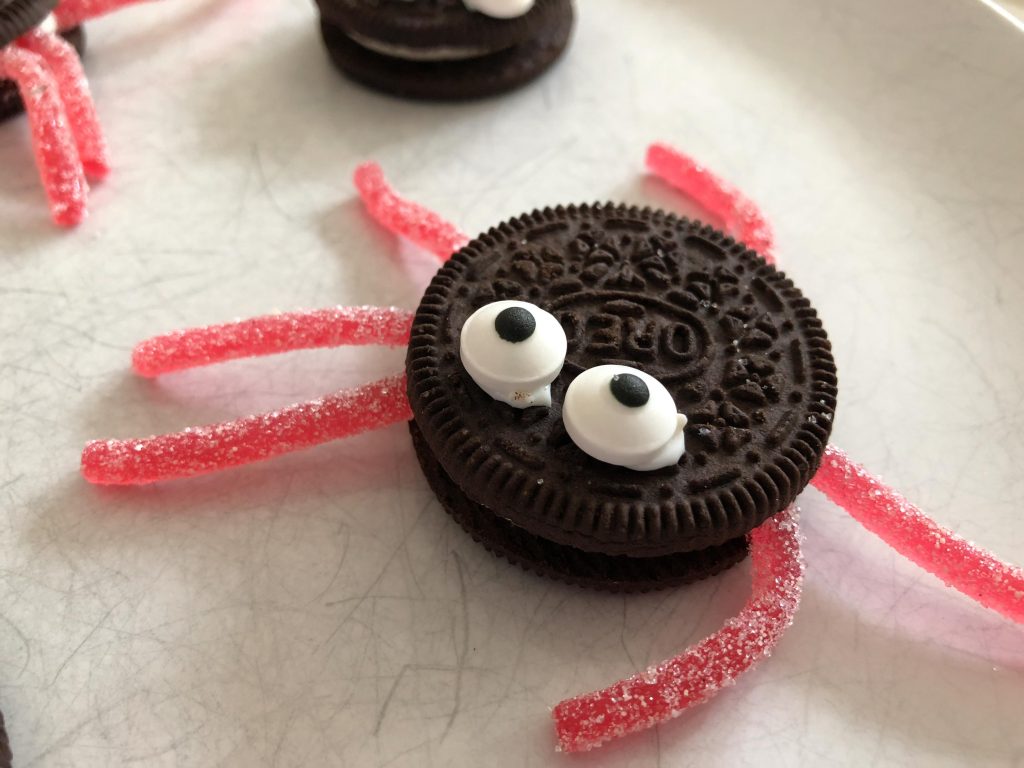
point(735, 342)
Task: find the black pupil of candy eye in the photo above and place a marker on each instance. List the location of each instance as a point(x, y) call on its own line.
point(630, 390)
point(515, 324)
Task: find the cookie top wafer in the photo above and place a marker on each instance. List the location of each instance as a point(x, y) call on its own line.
point(736, 344)
point(19, 16)
point(420, 24)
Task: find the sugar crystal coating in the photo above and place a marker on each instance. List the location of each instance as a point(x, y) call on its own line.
point(62, 60)
point(740, 215)
point(665, 691)
point(271, 334)
point(956, 561)
point(405, 218)
point(56, 155)
point(201, 450)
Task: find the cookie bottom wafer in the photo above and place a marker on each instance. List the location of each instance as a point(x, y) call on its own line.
point(568, 564)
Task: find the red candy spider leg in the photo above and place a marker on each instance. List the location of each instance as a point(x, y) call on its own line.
point(212, 448)
point(63, 62)
point(71, 13)
point(56, 155)
point(956, 561)
point(272, 334)
point(665, 691)
point(403, 217)
point(961, 565)
point(739, 215)
point(201, 450)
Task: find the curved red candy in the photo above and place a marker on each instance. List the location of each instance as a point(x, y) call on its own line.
point(740, 216)
point(71, 13)
point(665, 691)
point(407, 219)
point(56, 154)
point(62, 60)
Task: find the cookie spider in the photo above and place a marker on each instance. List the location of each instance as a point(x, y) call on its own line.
point(437, 400)
point(45, 68)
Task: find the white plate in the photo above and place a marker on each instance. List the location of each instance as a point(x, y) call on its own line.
point(322, 609)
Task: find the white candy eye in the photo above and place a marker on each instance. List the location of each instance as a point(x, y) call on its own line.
point(500, 9)
point(625, 417)
point(513, 350)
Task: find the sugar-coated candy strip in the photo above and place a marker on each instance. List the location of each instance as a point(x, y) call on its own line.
point(960, 564)
point(202, 450)
point(62, 60)
point(271, 334)
point(56, 155)
point(71, 13)
point(741, 216)
point(404, 217)
point(665, 691)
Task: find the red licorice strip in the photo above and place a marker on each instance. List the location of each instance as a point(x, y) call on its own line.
point(665, 691)
point(62, 60)
point(56, 155)
point(406, 218)
point(71, 13)
point(956, 561)
point(740, 216)
point(271, 334)
point(201, 450)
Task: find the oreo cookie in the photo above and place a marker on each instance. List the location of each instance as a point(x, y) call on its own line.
point(10, 99)
point(442, 49)
point(702, 322)
point(20, 16)
point(5, 745)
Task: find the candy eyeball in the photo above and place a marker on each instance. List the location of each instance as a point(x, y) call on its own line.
point(500, 9)
point(513, 351)
point(625, 417)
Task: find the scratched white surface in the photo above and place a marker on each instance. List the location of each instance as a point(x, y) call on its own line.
point(321, 609)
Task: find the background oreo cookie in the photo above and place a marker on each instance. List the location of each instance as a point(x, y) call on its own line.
point(440, 50)
point(19, 16)
point(5, 745)
point(10, 99)
point(740, 349)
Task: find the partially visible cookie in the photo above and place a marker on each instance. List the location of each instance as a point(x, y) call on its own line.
point(719, 335)
point(440, 49)
point(10, 100)
point(19, 16)
point(5, 745)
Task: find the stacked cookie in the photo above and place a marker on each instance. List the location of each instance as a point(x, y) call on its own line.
point(573, 482)
point(445, 49)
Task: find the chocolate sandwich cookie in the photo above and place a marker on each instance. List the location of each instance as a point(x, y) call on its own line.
point(5, 745)
point(20, 16)
point(675, 391)
point(16, 18)
point(445, 49)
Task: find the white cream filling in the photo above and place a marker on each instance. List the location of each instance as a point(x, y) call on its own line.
point(409, 53)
